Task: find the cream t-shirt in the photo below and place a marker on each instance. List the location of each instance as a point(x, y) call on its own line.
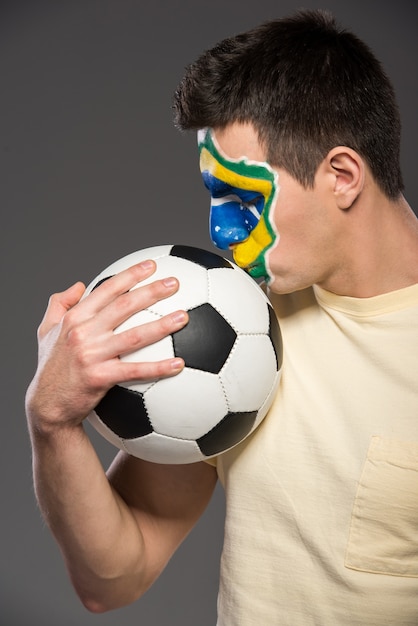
point(322, 500)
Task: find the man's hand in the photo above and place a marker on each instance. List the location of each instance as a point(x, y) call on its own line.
point(79, 352)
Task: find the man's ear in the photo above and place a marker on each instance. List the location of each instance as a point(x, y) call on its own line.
point(348, 170)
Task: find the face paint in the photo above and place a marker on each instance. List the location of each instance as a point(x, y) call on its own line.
point(242, 194)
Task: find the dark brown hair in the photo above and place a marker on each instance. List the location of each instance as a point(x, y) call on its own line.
point(306, 85)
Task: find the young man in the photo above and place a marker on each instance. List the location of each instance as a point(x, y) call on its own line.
point(322, 499)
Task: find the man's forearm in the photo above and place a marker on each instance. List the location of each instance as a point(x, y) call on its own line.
point(97, 534)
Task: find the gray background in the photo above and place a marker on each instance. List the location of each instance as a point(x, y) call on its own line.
point(91, 168)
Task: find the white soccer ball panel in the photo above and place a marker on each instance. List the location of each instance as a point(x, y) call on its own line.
point(131, 259)
point(249, 373)
point(158, 351)
point(193, 289)
point(137, 319)
point(239, 299)
point(185, 271)
point(161, 449)
point(187, 405)
point(162, 349)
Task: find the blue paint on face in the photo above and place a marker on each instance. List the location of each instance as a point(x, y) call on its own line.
point(242, 195)
point(234, 212)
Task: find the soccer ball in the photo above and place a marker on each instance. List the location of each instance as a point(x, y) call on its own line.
point(232, 349)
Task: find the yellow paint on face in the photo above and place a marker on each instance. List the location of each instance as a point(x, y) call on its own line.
point(246, 253)
point(231, 177)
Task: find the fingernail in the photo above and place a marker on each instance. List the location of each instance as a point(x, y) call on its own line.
point(176, 364)
point(147, 265)
point(178, 317)
point(169, 282)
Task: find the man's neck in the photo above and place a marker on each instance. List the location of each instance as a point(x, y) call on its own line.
point(383, 255)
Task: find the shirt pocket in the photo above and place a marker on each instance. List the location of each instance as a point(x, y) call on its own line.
point(383, 535)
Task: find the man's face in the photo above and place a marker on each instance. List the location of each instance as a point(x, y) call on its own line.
point(242, 194)
point(289, 235)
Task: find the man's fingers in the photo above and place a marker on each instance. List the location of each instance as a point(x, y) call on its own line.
point(137, 337)
point(108, 290)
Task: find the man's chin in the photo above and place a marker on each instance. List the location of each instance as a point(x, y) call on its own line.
point(255, 270)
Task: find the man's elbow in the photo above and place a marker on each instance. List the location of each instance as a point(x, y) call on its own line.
point(109, 595)
point(102, 604)
point(93, 605)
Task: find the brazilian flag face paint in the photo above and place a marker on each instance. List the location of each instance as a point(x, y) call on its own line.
point(242, 195)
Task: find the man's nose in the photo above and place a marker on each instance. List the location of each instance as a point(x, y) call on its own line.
point(230, 224)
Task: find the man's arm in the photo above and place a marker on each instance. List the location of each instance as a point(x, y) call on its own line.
point(116, 537)
point(116, 534)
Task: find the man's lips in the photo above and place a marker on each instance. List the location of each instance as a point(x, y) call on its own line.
point(254, 269)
